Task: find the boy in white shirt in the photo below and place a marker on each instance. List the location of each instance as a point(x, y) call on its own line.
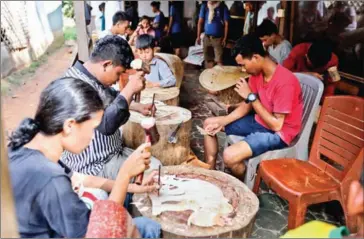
point(120, 22)
point(275, 44)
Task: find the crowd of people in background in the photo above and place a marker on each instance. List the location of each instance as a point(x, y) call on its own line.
point(218, 28)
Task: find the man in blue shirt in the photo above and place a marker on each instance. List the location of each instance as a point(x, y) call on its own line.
point(215, 17)
point(175, 26)
point(159, 21)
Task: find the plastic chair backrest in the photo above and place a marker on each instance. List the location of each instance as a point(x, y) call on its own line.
point(339, 136)
point(312, 89)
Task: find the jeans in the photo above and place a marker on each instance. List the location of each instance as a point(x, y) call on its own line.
point(147, 227)
point(259, 138)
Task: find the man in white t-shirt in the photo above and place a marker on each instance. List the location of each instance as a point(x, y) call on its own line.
point(276, 45)
point(120, 22)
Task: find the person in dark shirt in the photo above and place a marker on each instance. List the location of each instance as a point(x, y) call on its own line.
point(159, 20)
point(46, 205)
point(110, 58)
point(132, 11)
point(106, 153)
point(175, 26)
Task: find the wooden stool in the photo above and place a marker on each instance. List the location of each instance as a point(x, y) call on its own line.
point(244, 202)
point(167, 119)
point(169, 96)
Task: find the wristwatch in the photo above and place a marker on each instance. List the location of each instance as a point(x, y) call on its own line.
point(251, 98)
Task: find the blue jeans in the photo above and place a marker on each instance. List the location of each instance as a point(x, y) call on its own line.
point(259, 138)
point(146, 227)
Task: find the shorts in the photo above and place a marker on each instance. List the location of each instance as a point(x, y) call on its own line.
point(177, 40)
point(259, 138)
point(215, 43)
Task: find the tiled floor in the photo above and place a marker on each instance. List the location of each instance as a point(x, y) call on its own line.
point(271, 220)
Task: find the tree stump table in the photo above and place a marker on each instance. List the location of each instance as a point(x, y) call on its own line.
point(169, 96)
point(244, 202)
point(167, 120)
point(221, 80)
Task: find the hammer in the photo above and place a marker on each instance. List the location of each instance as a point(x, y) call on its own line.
point(140, 65)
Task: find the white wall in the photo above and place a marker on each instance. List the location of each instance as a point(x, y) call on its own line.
point(189, 9)
point(229, 3)
point(110, 8)
point(144, 8)
point(263, 11)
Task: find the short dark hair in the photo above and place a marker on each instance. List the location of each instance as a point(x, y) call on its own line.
point(320, 53)
point(266, 28)
point(114, 48)
point(156, 4)
point(144, 41)
point(249, 45)
point(120, 17)
point(145, 18)
point(102, 6)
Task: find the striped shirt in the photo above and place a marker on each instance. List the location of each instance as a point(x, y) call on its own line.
point(107, 140)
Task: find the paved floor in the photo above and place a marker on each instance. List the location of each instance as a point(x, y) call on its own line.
point(271, 220)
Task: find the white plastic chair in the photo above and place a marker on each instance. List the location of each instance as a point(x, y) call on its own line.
point(312, 89)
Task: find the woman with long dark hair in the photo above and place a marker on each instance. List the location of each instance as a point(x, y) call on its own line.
point(46, 205)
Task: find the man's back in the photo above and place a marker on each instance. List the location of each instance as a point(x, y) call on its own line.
point(297, 60)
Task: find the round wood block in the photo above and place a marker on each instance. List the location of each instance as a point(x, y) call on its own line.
point(246, 207)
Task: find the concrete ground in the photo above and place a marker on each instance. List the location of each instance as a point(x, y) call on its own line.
point(272, 216)
point(271, 220)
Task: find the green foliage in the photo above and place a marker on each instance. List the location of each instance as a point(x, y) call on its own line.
point(70, 33)
point(68, 10)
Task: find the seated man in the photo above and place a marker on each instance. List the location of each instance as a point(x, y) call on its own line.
point(120, 22)
point(277, 46)
point(273, 92)
point(103, 157)
point(160, 74)
point(315, 59)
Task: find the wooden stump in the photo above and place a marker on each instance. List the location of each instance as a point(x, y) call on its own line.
point(222, 80)
point(169, 96)
point(242, 223)
point(175, 64)
point(167, 119)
